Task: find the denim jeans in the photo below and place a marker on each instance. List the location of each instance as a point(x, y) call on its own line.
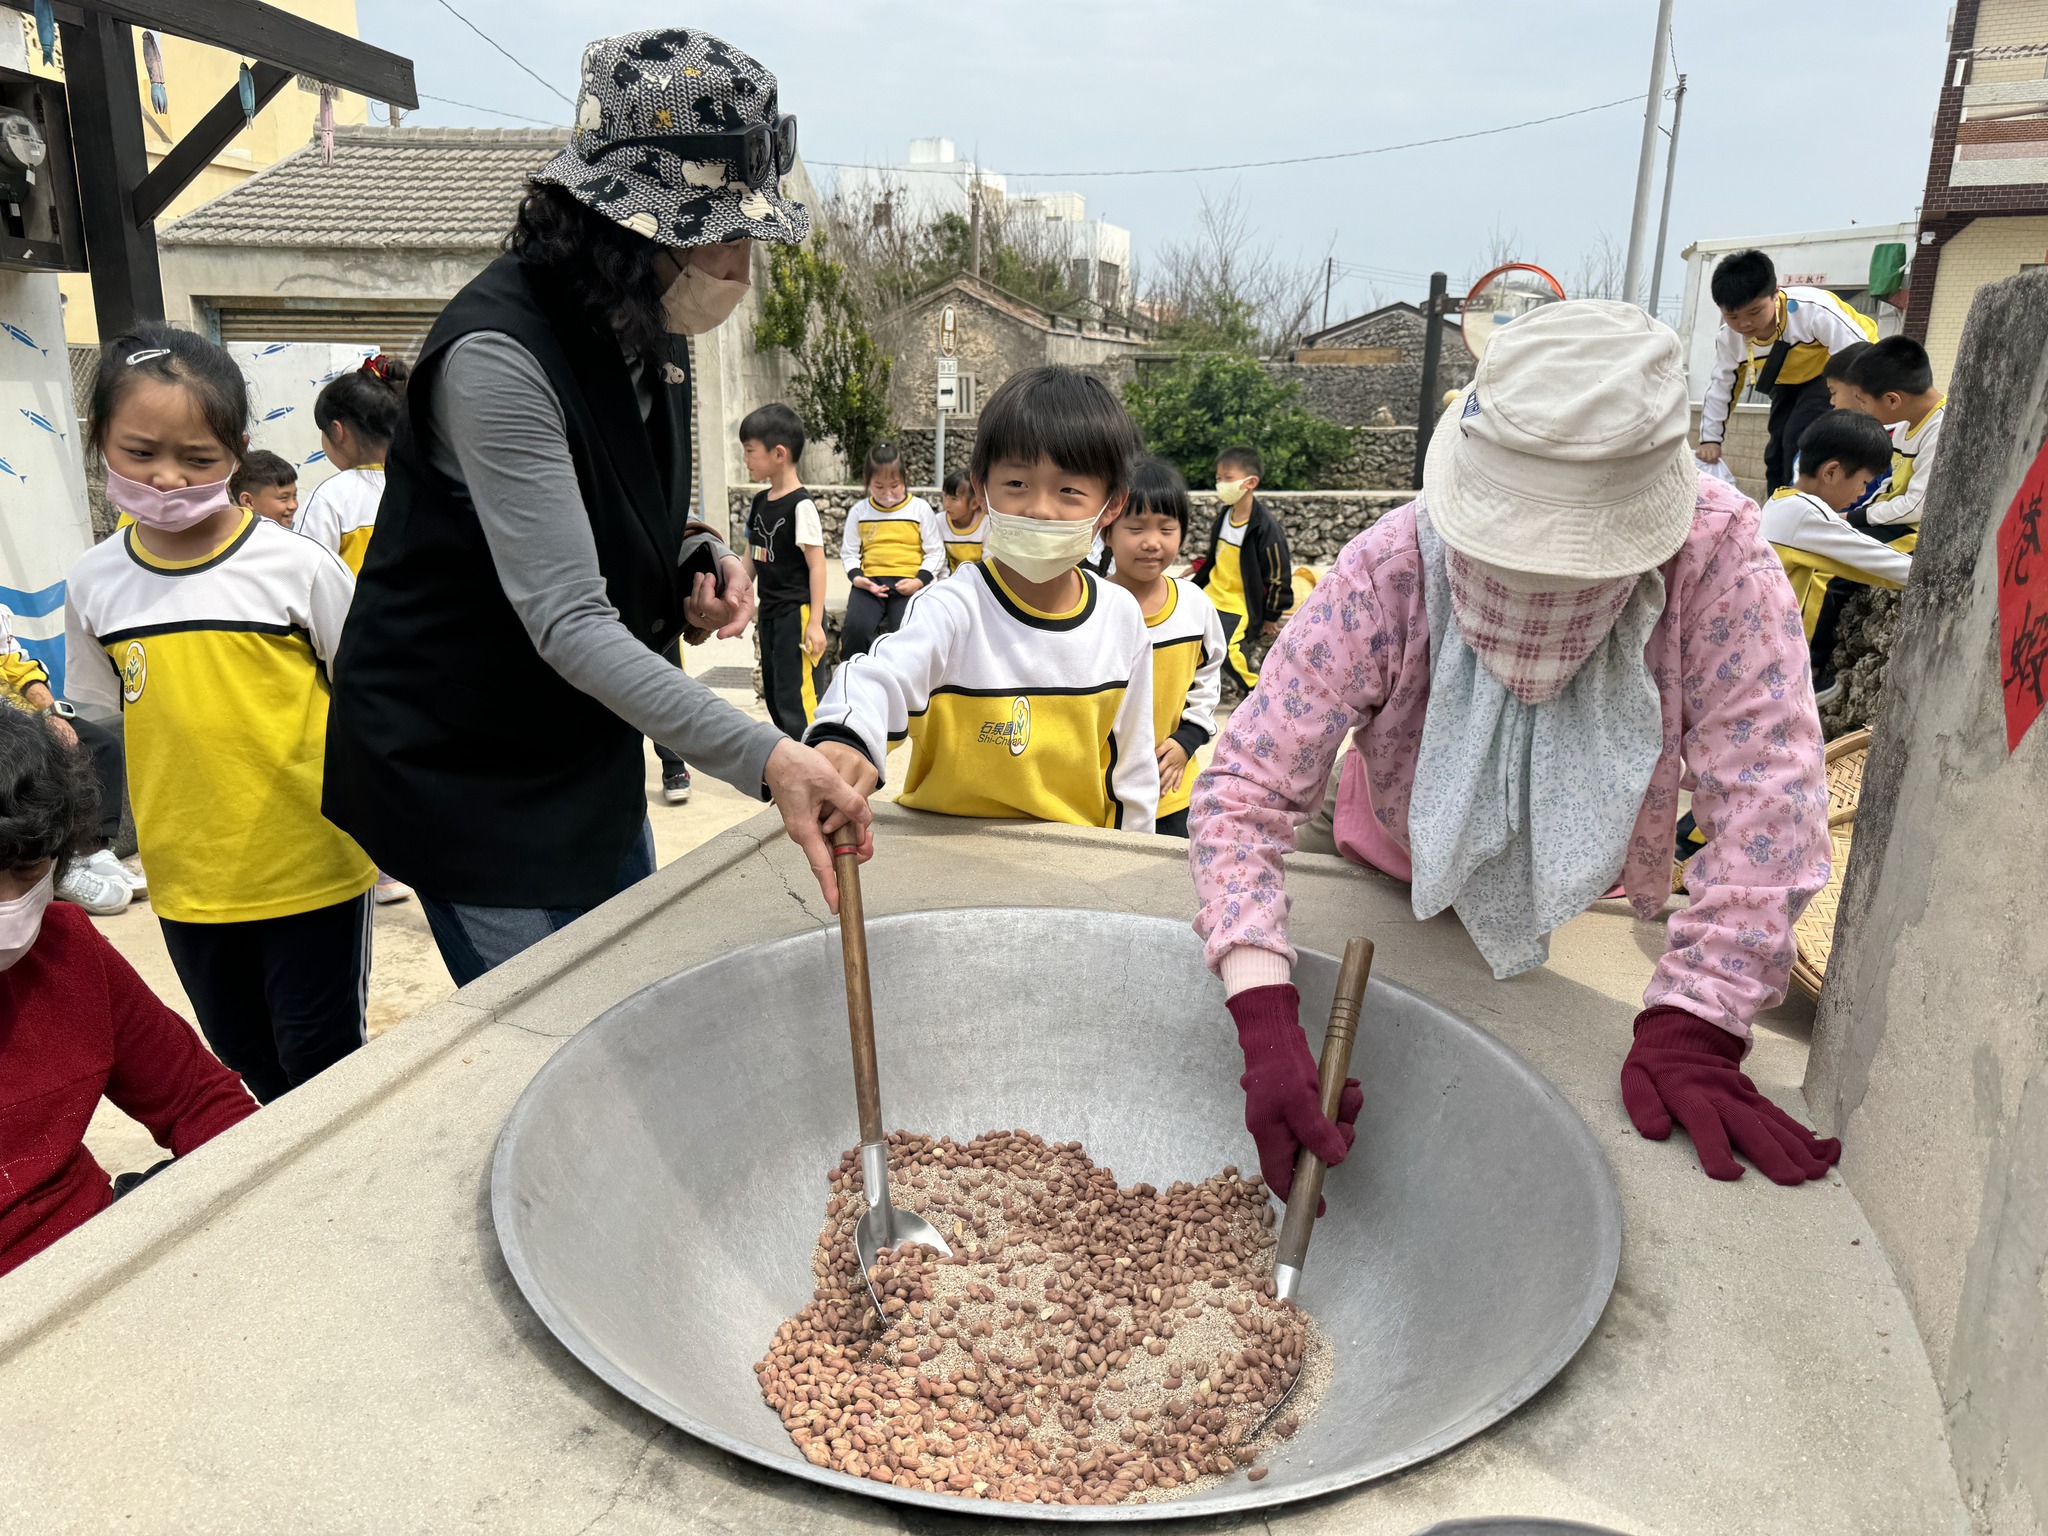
point(474, 939)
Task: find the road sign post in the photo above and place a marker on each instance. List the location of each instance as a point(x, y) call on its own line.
point(947, 392)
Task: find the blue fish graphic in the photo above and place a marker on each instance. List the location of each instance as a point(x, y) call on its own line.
point(42, 421)
point(281, 411)
point(329, 378)
point(273, 349)
point(23, 337)
point(319, 456)
point(8, 469)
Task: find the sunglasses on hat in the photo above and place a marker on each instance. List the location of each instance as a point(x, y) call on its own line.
point(758, 151)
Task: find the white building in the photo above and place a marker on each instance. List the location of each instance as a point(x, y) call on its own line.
point(936, 179)
point(1835, 259)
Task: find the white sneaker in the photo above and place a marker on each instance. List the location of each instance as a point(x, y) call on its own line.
point(106, 864)
point(99, 894)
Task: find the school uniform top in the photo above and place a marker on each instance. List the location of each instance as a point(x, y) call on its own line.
point(1187, 678)
point(778, 528)
point(1247, 569)
point(964, 548)
point(1010, 711)
point(1813, 325)
point(341, 514)
point(219, 668)
point(1801, 520)
point(1913, 445)
point(892, 543)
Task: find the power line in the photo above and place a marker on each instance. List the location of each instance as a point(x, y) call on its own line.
point(480, 32)
point(954, 169)
point(470, 106)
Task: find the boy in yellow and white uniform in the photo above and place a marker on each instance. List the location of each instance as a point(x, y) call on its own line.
point(1024, 683)
point(966, 521)
point(1187, 633)
point(1894, 381)
point(1777, 340)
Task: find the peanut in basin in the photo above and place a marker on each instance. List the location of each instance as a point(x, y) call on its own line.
point(1085, 1344)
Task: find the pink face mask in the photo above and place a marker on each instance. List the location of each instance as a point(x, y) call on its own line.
point(171, 511)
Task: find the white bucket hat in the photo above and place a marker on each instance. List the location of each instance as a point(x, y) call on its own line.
point(1567, 455)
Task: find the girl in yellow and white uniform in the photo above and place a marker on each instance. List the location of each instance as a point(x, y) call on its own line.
point(1186, 632)
point(965, 529)
point(357, 414)
point(210, 630)
point(892, 548)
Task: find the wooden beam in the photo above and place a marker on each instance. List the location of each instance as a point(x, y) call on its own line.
point(258, 31)
point(106, 138)
point(207, 138)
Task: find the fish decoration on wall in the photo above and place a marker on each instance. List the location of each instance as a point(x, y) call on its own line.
point(22, 336)
point(36, 418)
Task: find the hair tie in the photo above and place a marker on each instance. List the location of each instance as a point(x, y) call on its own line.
point(378, 367)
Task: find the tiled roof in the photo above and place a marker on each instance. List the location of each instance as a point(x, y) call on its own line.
point(388, 189)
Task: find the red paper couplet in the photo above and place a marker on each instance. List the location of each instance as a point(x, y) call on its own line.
point(2023, 602)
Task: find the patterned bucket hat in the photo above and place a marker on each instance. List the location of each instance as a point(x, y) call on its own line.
point(679, 138)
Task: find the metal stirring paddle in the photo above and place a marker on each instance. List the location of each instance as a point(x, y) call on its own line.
point(882, 1226)
point(1307, 1193)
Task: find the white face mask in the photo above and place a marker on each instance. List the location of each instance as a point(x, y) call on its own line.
point(1038, 549)
point(22, 918)
point(1230, 492)
point(697, 302)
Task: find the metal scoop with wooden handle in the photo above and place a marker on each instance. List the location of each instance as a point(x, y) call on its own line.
point(882, 1226)
point(1309, 1169)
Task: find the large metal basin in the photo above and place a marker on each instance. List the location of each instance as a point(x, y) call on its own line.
point(659, 1186)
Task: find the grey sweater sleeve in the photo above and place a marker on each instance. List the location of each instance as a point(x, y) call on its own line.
point(497, 427)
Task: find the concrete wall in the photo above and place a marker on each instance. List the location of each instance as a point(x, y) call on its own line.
point(1742, 450)
point(1988, 250)
point(1930, 1054)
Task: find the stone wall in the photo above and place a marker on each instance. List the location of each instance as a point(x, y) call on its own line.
point(1318, 523)
point(1355, 394)
point(1930, 1051)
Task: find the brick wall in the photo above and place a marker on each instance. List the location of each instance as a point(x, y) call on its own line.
point(1742, 450)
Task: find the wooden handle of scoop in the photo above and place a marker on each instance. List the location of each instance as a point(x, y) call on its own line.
point(860, 1002)
point(1309, 1169)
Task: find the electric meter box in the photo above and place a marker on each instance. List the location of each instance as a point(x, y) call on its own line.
point(40, 227)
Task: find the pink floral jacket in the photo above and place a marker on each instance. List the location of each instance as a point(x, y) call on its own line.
point(1740, 731)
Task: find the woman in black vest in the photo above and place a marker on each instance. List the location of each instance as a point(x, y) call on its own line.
point(534, 552)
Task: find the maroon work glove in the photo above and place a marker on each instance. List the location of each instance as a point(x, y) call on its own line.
point(1282, 1088)
point(1683, 1068)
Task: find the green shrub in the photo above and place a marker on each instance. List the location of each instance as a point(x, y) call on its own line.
point(1205, 401)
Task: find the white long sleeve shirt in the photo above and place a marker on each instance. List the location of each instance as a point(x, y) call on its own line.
point(1801, 520)
point(1010, 712)
point(1812, 320)
point(1913, 445)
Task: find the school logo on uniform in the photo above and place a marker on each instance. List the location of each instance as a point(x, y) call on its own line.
point(1014, 733)
point(134, 671)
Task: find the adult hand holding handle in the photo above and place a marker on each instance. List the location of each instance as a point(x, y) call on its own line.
point(1681, 1067)
point(1283, 1089)
point(818, 806)
point(727, 605)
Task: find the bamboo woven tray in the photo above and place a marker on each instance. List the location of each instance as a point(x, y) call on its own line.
point(1814, 934)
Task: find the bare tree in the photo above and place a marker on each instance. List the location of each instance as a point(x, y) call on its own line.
point(1220, 288)
point(1601, 272)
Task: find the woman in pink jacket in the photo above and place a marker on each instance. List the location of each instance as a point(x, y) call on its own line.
point(1528, 664)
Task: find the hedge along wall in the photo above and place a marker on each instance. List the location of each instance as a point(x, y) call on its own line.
point(1318, 523)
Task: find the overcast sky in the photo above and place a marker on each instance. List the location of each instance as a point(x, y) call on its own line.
point(1799, 115)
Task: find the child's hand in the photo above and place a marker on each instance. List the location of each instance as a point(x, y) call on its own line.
point(852, 765)
point(1270, 628)
point(1173, 762)
point(1708, 453)
point(909, 586)
point(868, 585)
point(814, 640)
point(820, 807)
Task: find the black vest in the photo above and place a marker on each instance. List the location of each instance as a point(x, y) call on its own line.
point(463, 763)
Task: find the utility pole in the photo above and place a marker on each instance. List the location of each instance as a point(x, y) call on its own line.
point(1664, 218)
point(974, 217)
point(1432, 355)
point(1646, 162)
point(1329, 268)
